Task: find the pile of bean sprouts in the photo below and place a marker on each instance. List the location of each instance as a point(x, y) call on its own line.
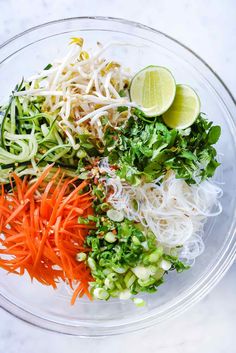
point(81, 88)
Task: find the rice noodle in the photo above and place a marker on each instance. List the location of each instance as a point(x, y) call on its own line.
point(173, 210)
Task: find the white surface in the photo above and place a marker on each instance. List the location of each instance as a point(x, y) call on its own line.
point(209, 327)
point(209, 28)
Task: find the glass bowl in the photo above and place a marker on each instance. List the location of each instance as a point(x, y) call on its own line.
point(32, 50)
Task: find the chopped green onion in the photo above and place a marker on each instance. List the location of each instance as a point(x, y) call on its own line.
point(109, 283)
point(120, 269)
point(165, 265)
point(104, 206)
point(146, 283)
point(145, 245)
point(139, 302)
point(129, 279)
point(116, 216)
point(119, 285)
point(101, 294)
point(92, 264)
point(81, 256)
point(114, 293)
point(106, 271)
point(112, 276)
point(110, 237)
point(141, 272)
point(82, 220)
point(125, 294)
point(135, 240)
point(92, 218)
point(155, 255)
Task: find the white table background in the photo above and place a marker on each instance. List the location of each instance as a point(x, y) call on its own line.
point(209, 28)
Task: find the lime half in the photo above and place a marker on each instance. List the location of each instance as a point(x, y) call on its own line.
point(184, 110)
point(153, 88)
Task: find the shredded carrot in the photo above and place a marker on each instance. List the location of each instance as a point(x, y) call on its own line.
point(41, 233)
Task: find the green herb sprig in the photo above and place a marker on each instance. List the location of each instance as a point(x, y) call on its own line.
point(147, 150)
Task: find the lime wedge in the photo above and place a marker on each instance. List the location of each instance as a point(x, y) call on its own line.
point(184, 110)
point(153, 88)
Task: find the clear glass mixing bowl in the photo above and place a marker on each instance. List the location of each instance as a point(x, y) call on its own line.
point(24, 55)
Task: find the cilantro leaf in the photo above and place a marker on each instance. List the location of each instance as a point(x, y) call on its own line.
point(148, 150)
point(214, 134)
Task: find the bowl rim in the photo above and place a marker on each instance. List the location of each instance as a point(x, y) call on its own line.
point(215, 274)
point(127, 22)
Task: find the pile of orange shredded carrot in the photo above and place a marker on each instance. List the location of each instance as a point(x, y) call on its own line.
point(40, 229)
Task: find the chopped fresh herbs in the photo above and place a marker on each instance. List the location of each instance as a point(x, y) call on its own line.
point(148, 150)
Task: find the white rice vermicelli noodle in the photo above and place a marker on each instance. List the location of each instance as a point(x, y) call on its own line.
point(173, 210)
